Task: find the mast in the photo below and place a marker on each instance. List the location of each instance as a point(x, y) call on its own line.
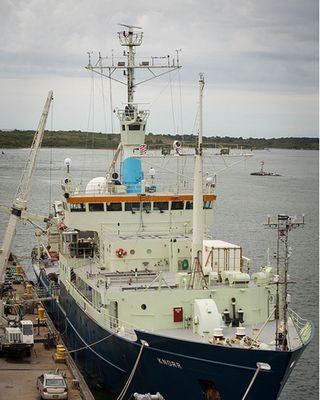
point(283, 226)
point(132, 118)
point(130, 39)
point(198, 214)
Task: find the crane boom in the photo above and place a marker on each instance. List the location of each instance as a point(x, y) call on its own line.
point(20, 200)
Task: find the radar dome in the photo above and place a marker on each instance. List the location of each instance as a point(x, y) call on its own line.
point(96, 185)
point(67, 162)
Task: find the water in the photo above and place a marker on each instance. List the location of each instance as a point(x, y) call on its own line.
point(243, 203)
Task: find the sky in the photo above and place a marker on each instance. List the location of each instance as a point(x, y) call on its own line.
point(259, 59)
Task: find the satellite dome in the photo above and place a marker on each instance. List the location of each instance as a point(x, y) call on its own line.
point(96, 185)
point(67, 162)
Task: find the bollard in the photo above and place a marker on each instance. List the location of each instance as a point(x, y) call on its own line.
point(29, 289)
point(41, 313)
point(60, 355)
point(18, 269)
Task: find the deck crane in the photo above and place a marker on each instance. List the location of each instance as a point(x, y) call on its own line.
point(19, 204)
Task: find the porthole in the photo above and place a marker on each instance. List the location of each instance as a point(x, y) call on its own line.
point(143, 306)
point(132, 251)
point(149, 251)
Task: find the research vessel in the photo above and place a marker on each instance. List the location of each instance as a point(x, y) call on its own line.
point(146, 300)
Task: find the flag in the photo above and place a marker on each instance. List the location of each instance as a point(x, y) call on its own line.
point(143, 148)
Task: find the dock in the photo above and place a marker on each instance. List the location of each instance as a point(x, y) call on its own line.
point(18, 374)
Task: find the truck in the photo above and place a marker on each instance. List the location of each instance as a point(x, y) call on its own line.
point(17, 338)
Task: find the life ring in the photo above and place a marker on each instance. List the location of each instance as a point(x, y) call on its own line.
point(121, 253)
point(61, 226)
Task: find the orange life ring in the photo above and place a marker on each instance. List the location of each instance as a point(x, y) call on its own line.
point(121, 253)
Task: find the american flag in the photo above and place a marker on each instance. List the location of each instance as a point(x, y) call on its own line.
point(143, 148)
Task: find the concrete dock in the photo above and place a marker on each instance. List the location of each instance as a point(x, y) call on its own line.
point(18, 375)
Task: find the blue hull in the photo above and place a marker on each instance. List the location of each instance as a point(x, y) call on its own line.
point(178, 369)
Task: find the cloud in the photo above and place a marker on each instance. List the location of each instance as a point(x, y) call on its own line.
point(249, 46)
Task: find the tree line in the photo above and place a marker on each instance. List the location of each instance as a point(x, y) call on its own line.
point(97, 140)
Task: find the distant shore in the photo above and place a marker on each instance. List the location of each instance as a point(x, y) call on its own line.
point(94, 140)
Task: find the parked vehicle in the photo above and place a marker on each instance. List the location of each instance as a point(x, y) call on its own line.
point(52, 386)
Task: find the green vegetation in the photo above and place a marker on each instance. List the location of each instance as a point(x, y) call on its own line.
point(78, 139)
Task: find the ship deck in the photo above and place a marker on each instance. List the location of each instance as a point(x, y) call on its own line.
point(266, 337)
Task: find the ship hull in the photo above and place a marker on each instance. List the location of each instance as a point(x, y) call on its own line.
point(178, 369)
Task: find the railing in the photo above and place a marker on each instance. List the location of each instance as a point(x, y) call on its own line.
point(302, 326)
point(121, 327)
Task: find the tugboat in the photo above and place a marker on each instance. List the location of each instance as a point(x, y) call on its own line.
point(148, 301)
point(262, 172)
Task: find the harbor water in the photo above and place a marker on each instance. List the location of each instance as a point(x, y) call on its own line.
point(242, 206)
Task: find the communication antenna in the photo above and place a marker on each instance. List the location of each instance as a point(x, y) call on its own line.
point(130, 27)
point(284, 225)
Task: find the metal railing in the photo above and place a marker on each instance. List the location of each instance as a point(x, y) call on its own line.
point(302, 326)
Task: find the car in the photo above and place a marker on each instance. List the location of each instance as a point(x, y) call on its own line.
point(52, 385)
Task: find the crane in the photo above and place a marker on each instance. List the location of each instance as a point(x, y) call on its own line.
point(19, 204)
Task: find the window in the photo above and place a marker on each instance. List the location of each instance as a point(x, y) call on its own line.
point(177, 205)
point(146, 206)
point(65, 206)
point(27, 329)
point(161, 205)
point(96, 207)
point(207, 204)
point(189, 205)
point(134, 127)
point(132, 206)
point(114, 207)
point(77, 207)
point(55, 382)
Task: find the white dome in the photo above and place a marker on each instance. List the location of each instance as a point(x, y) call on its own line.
point(96, 185)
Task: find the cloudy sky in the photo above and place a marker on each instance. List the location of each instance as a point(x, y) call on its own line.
point(259, 57)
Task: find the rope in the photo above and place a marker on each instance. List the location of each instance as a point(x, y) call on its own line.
point(172, 106)
point(180, 104)
point(111, 102)
point(251, 382)
point(127, 384)
point(103, 97)
point(90, 346)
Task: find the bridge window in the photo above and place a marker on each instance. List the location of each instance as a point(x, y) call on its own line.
point(96, 207)
point(189, 205)
point(160, 205)
point(134, 127)
point(146, 206)
point(177, 205)
point(114, 207)
point(132, 206)
point(207, 204)
point(77, 207)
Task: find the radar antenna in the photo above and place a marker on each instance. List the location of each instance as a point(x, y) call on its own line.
point(130, 38)
point(130, 27)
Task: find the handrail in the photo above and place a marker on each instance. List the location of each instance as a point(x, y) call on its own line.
point(302, 326)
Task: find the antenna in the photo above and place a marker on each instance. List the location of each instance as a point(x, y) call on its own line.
point(130, 27)
point(152, 68)
point(284, 225)
point(89, 55)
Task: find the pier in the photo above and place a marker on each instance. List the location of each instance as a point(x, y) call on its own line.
point(19, 372)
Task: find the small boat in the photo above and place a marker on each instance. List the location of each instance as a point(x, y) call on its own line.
point(262, 172)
